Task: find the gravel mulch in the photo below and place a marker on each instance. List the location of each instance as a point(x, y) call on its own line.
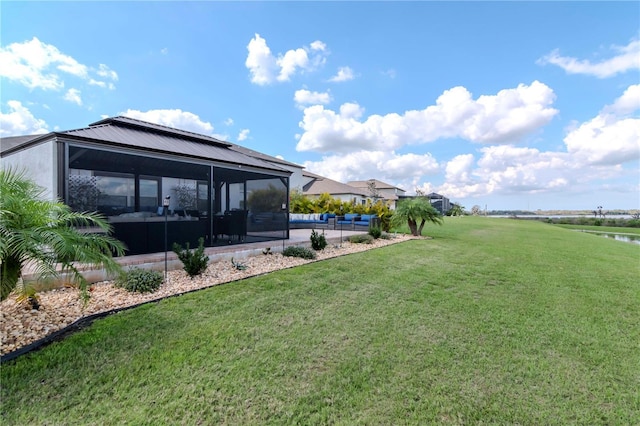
point(20, 326)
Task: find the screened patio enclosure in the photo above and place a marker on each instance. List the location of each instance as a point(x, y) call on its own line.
point(221, 203)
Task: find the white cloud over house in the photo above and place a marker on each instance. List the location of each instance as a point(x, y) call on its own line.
point(265, 68)
point(38, 65)
point(20, 121)
point(626, 58)
point(505, 117)
point(175, 118)
point(387, 166)
point(597, 149)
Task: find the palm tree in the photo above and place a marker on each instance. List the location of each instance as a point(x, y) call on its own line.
point(415, 210)
point(456, 210)
point(45, 235)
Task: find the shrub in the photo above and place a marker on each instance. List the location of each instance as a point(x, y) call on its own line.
point(28, 297)
point(375, 232)
point(238, 265)
point(361, 239)
point(318, 241)
point(194, 261)
point(295, 251)
point(139, 280)
point(386, 236)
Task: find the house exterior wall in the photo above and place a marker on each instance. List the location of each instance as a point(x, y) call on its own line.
point(296, 180)
point(39, 162)
point(390, 195)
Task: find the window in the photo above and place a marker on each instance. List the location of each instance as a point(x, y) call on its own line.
point(149, 190)
point(116, 194)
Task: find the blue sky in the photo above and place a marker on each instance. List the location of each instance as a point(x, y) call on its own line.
point(509, 105)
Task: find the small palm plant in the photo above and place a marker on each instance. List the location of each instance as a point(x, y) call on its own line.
point(415, 212)
point(45, 235)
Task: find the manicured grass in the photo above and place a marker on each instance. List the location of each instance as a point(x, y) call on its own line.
point(612, 229)
point(494, 321)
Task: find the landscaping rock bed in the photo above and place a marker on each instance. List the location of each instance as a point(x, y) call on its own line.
point(59, 308)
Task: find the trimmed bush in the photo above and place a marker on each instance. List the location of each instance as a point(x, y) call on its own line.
point(194, 261)
point(295, 251)
point(139, 280)
point(361, 239)
point(318, 241)
point(375, 232)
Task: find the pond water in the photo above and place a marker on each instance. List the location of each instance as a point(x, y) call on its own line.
point(627, 238)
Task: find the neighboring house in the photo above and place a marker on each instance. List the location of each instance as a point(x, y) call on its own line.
point(296, 180)
point(439, 202)
point(317, 185)
point(378, 190)
point(125, 169)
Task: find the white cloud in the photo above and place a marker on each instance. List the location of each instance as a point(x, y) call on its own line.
point(603, 140)
point(73, 96)
point(106, 72)
point(290, 62)
point(260, 62)
point(38, 65)
point(20, 121)
point(228, 122)
point(175, 118)
point(459, 168)
point(596, 150)
point(612, 137)
point(344, 74)
point(402, 169)
point(102, 84)
point(506, 117)
point(626, 59)
point(304, 97)
point(243, 135)
point(505, 169)
point(628, 103)
point(391, 73)
point(267, 69)
point(318, 45)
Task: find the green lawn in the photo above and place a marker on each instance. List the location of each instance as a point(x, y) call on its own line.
point(494, 321)
point(611, 229)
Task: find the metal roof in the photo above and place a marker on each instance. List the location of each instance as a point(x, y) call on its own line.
point(14, 141)
point(146, 126)
point(321, 185)
point(262, 156)
point(379, 184)
point(129, 132)
point(120, 132)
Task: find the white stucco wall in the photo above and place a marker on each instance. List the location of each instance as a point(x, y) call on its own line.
point(39, 162)
point(296, 181)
